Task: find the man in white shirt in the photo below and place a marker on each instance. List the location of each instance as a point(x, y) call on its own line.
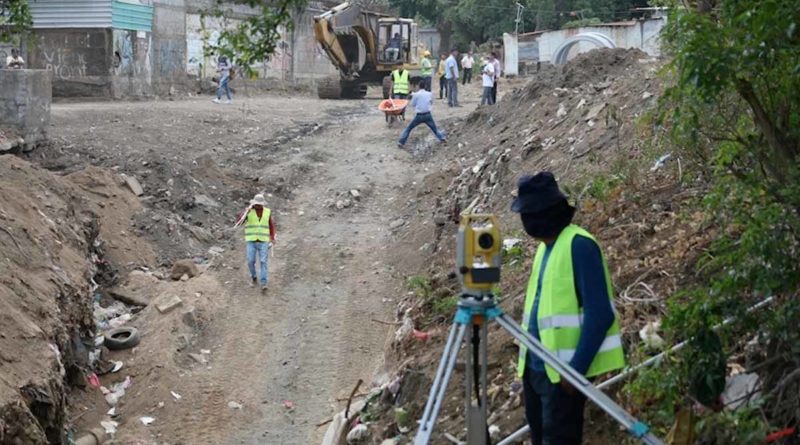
point(466, 62)
point(14, 61)
point(422, 101)
point(497, 72)
point(451, 74)
point(487, 76)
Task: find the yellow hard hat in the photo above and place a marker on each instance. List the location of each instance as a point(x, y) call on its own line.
point(426, 53)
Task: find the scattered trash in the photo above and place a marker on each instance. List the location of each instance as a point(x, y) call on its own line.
point(93, 380)
point(133, 184)
point(510, 243)
point(205, 351)
point(494, 432)
point(650, 337)
point(122, 338)
point(146, 420)
point(116, 392)
point(112, 412)
point(175, 395)
point(358, 434)
point(234, 405)
point(117, 366)
point(406, 329)
point(647, 95)
point(109, 426)
point(660, 162)
point(199, 358)
point(740, 389)
point(421, 335)
point(288, 404)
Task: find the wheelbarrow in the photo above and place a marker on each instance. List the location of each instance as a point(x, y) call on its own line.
point(393, 110)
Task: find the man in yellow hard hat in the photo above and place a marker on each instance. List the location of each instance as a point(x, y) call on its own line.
point(426, 69)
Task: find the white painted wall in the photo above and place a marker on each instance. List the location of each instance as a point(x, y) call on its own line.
point(641, 34)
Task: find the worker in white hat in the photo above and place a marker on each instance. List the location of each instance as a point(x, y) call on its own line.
point(259, 233)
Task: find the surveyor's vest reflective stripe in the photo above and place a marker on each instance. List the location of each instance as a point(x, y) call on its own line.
point(559, 316)
point(257, 229)
point(400, 82)
point(427, 68)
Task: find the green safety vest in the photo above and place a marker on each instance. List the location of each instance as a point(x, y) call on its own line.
point(401, 82)
point(427, 68)
point(257, 229)
point(559, 316)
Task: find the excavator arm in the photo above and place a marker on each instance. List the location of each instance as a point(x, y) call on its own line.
point(338, 32)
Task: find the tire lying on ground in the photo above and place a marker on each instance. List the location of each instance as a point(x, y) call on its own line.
point(121, 338)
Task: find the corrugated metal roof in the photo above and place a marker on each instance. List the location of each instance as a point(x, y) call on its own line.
point(126, 15)
point(71, 13)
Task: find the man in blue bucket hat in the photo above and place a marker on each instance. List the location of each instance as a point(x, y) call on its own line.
point(568, 307)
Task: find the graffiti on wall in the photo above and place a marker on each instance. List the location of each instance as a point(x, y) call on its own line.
point(64, 64)
point(131, 53)
point(123, 52)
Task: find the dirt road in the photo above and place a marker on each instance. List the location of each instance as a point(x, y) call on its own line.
point(334, 177)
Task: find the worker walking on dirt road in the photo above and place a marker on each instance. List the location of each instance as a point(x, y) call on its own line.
point(497, 71)
point(422, 101)
point(401, 83)
point(568, 307)
point(259, 233)
point(442, 78)
point(426, 69)
point(224, 68)
point(451, 73)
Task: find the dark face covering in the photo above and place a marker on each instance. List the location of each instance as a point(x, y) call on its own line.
point(549, 222)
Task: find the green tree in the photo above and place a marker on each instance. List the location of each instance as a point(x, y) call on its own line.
point(733, 110)
point(255, 38)
point(15, 20)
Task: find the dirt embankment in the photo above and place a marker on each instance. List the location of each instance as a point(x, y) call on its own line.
point(54, 251)
point(587, 123)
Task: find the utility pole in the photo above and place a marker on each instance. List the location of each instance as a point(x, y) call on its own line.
point(518, 20)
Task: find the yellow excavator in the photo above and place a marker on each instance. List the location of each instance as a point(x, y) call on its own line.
point(365, 47)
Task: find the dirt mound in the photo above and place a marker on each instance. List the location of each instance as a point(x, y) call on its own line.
point(49, 236)
point(582, 122)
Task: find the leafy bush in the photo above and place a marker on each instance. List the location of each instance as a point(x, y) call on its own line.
point(734, 113)
point(581, 22)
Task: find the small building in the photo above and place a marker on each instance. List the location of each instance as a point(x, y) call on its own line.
point(125, 48)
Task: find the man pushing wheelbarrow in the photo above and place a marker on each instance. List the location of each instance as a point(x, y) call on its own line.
point(422, 101)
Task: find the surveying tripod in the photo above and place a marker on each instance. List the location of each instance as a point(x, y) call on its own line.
point(475, 311)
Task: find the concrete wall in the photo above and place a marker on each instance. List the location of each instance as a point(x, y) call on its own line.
point(431, 40)
point(641, 34)
point(78, 58)
point(110, 62)
point(25, 97)
point(132, 63)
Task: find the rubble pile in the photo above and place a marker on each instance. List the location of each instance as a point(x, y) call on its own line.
point(51, 255)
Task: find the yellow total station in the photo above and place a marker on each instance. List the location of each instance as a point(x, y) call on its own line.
point(479, 253)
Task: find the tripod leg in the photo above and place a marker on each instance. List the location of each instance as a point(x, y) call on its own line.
point(578, 381)
point(439, 388)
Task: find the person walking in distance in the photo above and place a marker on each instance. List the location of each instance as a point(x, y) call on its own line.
point(422, 101)
point(487, 78)
point(440, 74)
point(568, 307)
point(259, 233)
point(467, 62)
point(224, 68)
point(497, 72)
point(426, 69)
point(451, 73)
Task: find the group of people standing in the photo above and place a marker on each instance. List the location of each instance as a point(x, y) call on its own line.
point(450, 70)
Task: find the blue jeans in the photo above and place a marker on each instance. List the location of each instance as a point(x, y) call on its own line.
point(223, 86)
point(452, 92)
point(262, 250)
point(555, 417)
point(419, 119)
